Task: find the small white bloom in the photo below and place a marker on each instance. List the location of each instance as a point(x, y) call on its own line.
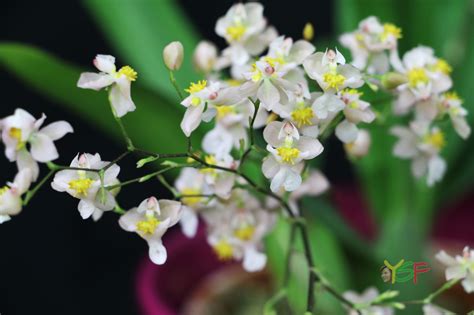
point(450, 103)
point(191, 182)
point(151, 220)
point(369, 295)
point(426, 76)
point(119, 82)
point(22, 129)
point(459, 267)
point(360, 146)
point(205, 56)
point(86, 185)
point(422, 145)
point(288, 54)
point(331, 72)
point(369, 44)
point(221, 182)
point(10, 195)
point(173, 55)
point(288, 149)
point(430, 309)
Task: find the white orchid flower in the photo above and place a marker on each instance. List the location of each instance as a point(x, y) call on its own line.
point(331, 72)
point(237, 228)
point(370, 43)
point(10, 195)
point(426, 76)
point(355, 111)
point(243, 27)
point(191, 182)
point(221, 182)
point(369, 295)
point(94, 197)
point(459, 267)
point(119, 82)
point(288, 149)
point(289, 54)
point(422, 145)
point(22, 130)
point(201, 94)
point(151, 220)
point(205, 56)
point(360, 146)
point(451, 104)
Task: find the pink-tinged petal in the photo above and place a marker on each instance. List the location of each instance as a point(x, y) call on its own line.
point(292, 180)
point(404, 102)
point(22, 181)
point(461, 126)
point(25, 161)
point(300, 50)
point(105, 63)
point(57, 130)
point(97, 215)
point(218, 141)
point(254, 260)
point(43, 148)
point(313, 65)
point(346, 131)
point(39, 122)
point(86, 208)
point(94, 81)
point(436, 170)
point(111, 174)
point(224, 185)
point(311, 148)
point(191, 119)
point(268, 94)
point(170, 209)
point(189, 222)
point(419, 165)
point(157, 252)
point(314, 185)
point(468, 283)
point(104, 200)
point(120, 97)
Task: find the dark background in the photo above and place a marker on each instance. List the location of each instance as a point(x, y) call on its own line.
point(51, 261)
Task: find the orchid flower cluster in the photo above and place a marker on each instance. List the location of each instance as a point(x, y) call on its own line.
point(261, 80)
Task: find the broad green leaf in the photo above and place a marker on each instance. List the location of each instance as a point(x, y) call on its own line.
point(153, 126)
point(140, 29)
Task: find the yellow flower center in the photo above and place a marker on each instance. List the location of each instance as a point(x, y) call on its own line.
point(223, 250)
point(273, 61)
point(196, 87)
point(417, 76)
point(302, 116)
point(81, 186)
point(391, 29)
point(16, 134)
point(257, 74)
point(334, 80)
point(3, 190)
point(451, 96)
point(224, 110)
point(195, 101)
point(190, 201)
point(436, 139)
point(288, 155)
point(244, 232)
point(442, 66)
point(128, 71)
point(211, 160)
point(148, 226)
point(352, 92)
point(236, 31)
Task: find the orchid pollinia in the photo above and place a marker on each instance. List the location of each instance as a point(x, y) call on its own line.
point(297, 95)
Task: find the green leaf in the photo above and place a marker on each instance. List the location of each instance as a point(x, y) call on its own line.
point(154, 125)
point(139, 30)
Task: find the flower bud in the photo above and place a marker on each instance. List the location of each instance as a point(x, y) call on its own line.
point(360, 147)
point(392, 80)
point(173, 55)
point(308, 32)
point(204, 56)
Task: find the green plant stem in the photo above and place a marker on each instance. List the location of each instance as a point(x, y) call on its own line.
point(291, 241)
point(35, 189)
point(176, 85)
point(251, 132)
point(145, 177)
point(444, 287)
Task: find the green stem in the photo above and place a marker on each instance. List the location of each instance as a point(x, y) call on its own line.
point(289, 253)
point(176, 85)
point(443, 288)
point(35, 189)
point(251, 132)
point(144, 178)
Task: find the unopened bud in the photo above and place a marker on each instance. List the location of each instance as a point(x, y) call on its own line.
point(392, 80)
point(173, 55)
point(308, 31)
point(204, 57)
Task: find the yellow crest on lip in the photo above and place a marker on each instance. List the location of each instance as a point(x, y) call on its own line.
point(417, 76)
point(223, 250)
point(148, 226)
point(196, 87)
point(236, 31)
point(302, 116)
point(288, 155)
point(334, 80)
point(81, 186)
point(128, 71)
point(391, 29)
point(436, 139)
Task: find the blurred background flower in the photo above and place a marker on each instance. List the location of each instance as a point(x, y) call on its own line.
point(374, 210)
